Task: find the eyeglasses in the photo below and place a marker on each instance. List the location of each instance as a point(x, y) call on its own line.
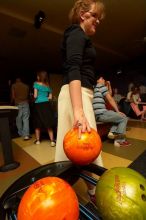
point(94, 15)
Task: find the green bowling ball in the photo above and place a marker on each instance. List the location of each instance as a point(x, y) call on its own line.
point(121, 195)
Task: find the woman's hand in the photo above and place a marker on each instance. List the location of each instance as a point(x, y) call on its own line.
point(81, 122)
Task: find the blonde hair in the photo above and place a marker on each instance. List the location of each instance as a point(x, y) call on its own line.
point(85, 5)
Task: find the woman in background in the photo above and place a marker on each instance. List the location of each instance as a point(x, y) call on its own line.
point(138, 108)
point(44, 116)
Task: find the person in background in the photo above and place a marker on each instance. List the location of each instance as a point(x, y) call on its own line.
point(79, 56)
point(102, 114)
point(20, 96)
point(116, 95)
point(135, 102)
point(129, 94)
point(142, 88)
point(130, 86)
point(43, 114)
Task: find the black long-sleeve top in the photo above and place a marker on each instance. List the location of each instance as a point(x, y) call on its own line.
point(78, 57)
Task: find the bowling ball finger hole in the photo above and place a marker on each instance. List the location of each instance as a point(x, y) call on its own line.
point(143, 197)
point(142, 187)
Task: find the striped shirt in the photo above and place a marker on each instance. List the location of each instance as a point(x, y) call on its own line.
point(99, 105)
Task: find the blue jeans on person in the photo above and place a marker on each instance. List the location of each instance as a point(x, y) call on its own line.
point(22, 119)
point(119, 121)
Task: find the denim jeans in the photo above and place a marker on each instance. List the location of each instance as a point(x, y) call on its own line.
point(22, 119)
point(119, 121)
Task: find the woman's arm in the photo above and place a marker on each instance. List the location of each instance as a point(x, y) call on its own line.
point(35, 93)
point(50, 96)
point(75, 51)
point(76, 99)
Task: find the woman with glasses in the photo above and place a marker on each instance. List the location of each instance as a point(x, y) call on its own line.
point(79, 56)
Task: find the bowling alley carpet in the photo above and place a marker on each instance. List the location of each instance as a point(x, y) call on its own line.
point(136, 136)
point(31, 156)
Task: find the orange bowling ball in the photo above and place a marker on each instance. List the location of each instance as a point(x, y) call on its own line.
point(82, 151)
point(49, 198)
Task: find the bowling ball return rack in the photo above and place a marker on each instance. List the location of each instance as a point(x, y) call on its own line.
point(10, 199)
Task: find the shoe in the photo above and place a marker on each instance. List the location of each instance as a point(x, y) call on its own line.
point(37, 142)
point(111, 135)
point(92, 198)
point(26, 138)
point(53, 143)
point(121, 144)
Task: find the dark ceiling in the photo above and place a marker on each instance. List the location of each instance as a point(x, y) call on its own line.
point(120, 39)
